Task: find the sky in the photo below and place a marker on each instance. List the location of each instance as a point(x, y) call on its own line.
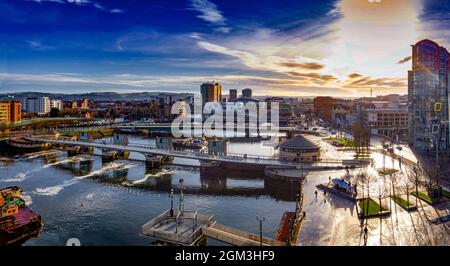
point(340, 48)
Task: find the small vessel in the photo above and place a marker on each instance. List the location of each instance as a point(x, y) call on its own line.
point(17, 222)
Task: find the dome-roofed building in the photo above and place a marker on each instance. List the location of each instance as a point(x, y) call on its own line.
point(299, 149)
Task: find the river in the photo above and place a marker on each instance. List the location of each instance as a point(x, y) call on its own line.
point(106, 204)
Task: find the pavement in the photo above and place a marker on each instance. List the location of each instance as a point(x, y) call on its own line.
point(331, 220)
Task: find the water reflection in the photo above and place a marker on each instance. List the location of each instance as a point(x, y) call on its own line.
point(221, 183)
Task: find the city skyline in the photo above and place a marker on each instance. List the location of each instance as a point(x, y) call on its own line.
point(304, 48)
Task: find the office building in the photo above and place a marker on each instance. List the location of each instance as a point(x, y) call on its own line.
point(211, 92)
point(428, 96)
point(247, 93)
point(232, 95)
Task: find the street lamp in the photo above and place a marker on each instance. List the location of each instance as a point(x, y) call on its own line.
point(181, 208)
point(260, 220)
point(171, 202)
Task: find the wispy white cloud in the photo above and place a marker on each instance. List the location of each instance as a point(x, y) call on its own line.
point(210, 13)
point(116, 10)
point(37, 45)
point(365, 37)
point(81, 3)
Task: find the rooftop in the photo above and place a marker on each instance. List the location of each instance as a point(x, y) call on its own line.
point(299, 142)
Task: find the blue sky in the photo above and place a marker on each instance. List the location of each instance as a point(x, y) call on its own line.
point(283, 47)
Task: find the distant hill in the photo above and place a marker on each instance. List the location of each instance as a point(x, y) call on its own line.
point(96, 96)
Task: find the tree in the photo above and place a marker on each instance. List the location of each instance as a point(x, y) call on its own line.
point(3, 127)
point(381, 190)
point(54, 112)
point(415, 175)
point(361, 137)
point(393, 178)
point(407, 187)
point(366, 180)
point(361, 180)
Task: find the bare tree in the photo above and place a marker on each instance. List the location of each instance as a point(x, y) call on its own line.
point(381, 190)
point(361, 137)
point(415, 176)
point(366, 182)
point(407, 187)
point(361, 180)
point(393, 178)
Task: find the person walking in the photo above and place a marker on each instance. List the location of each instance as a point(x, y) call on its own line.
point(365, 236)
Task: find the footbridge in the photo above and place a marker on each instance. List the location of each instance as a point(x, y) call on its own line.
point(150, 151)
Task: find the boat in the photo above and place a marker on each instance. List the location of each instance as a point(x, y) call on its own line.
point(18, 223)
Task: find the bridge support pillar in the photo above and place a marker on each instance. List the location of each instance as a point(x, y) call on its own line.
point(86, 167)
point(152, 163)
point(73, 151)
point(87, 150)
point(167, 159)
point(76, 150)
point(108, 156)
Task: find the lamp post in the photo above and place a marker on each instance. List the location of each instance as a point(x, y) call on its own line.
point(181, 208)
point(260, 220)
point(171, 202)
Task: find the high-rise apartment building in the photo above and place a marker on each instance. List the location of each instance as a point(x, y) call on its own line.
point(58, 104)
point(44, 105)
point(211, 92)
point(31, 105)
point(39, 105)
point(428, 85)
point(5, 115)
point(10, 112)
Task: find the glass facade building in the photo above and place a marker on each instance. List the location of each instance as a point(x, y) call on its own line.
point(428, 96)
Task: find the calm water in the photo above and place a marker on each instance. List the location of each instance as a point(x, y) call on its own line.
point(106, 204)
